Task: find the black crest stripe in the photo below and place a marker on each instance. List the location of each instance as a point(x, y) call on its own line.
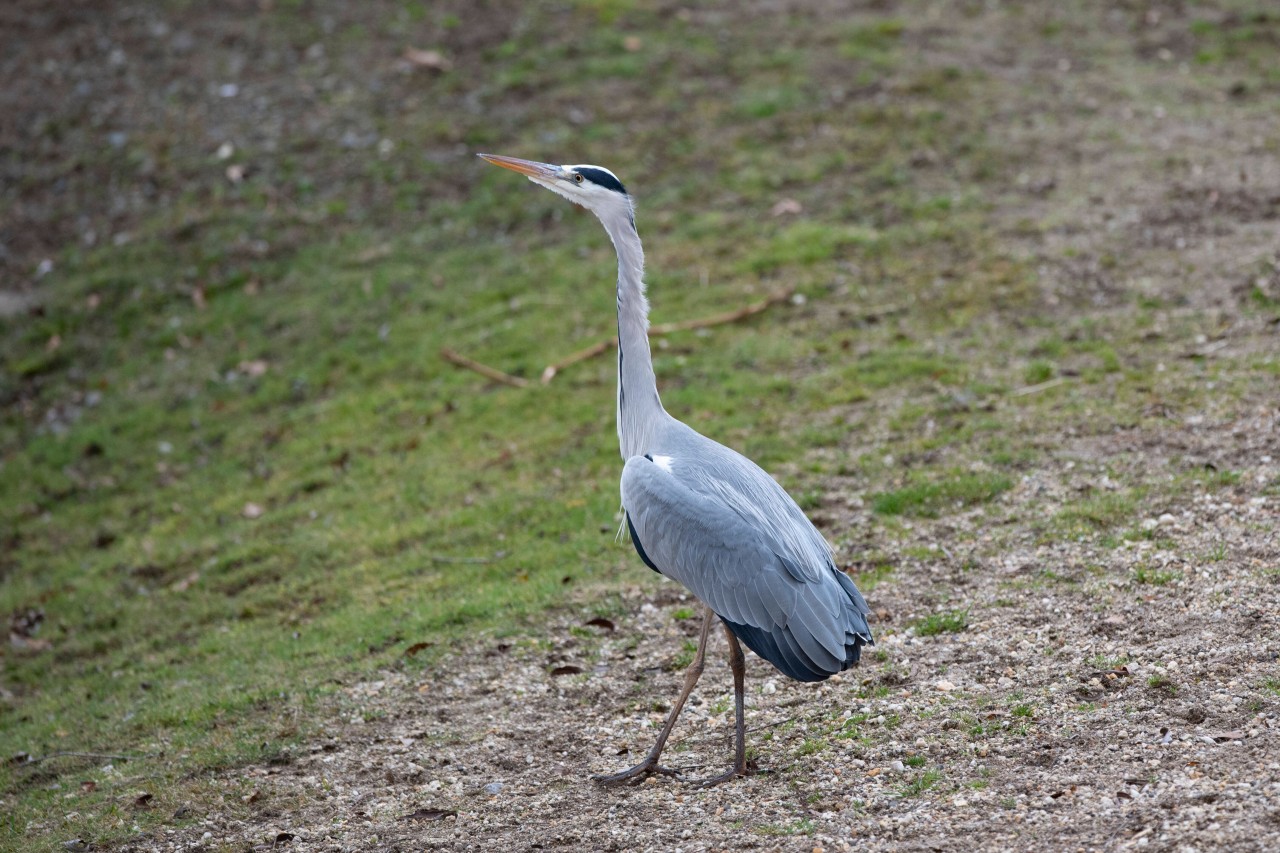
point(603, 178)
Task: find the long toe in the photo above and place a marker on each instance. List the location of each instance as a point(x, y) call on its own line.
point(751, 769)
point(726, 776)
point(634, 775)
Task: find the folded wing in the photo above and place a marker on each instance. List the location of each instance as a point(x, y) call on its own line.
point(795, 610)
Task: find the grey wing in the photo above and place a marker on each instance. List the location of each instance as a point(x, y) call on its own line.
point(809, 621)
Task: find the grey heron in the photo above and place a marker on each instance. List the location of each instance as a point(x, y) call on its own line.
point(705, 515)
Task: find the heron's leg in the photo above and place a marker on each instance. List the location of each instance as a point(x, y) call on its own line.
point(650, 763)
point(737, 663)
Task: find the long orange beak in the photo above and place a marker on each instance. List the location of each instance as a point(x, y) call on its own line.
point(529, 168)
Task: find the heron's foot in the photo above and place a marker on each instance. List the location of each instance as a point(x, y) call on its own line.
point(749, 769)
point(635, 775)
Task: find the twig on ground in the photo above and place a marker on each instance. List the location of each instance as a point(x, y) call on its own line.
point(667, 328)
point(483, 369)
point(611, 343)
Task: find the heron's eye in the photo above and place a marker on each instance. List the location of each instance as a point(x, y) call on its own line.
point(577, 179)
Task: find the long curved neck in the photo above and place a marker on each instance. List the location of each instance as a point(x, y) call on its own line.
point(639, 408)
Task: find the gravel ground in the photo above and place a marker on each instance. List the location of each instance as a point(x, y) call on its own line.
point(1081, 707)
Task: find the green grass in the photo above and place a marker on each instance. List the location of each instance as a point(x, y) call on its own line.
point(931, 498)
point(1099, 512)
point(810, 746)
point(802, 826)
point(868, 579)
point(1155, 577)
point(944, 622)
point(684, 657)
point(921, 783)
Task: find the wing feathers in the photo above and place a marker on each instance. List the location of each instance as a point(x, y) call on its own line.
point(807, 620)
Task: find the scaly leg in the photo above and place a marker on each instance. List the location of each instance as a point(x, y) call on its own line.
point(650, 764)
point(737, 662)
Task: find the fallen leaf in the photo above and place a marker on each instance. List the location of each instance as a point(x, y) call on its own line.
point(415, 648)
point(432, 60)
point(429, 814)
point(601, 622)
point(567, 669)
point(185, 583)
point(254, 368)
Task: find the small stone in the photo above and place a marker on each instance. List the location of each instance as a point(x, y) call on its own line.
point(945, 686)
point(897, 766)
point(493, 789)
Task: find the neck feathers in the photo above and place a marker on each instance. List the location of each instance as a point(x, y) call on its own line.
point(639, 407)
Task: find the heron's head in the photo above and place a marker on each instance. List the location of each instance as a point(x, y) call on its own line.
point(593, 187)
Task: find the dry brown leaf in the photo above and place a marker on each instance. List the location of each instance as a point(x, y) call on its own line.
point(433, 60)
point(787, 206)
point(416, 647)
